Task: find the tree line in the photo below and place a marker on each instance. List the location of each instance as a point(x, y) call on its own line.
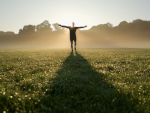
point(132, 34)
point(135, 32)
point(44, 27)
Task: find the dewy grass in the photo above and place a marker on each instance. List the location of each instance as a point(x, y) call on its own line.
point(86, 81)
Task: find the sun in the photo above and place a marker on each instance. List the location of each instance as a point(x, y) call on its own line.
point(68, 22)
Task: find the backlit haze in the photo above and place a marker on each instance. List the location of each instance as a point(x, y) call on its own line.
point(14, 14)
point(17, 13)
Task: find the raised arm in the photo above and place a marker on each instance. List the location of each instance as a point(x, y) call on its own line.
point(64, 26)
point(81, 27)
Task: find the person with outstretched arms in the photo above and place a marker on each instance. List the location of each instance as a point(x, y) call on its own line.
point(72, 34)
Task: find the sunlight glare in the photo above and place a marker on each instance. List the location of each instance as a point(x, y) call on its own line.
point(68, 22)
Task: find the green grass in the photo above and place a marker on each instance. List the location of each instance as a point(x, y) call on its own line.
point(86, 81)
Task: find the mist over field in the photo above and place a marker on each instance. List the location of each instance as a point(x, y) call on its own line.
point(126, 35)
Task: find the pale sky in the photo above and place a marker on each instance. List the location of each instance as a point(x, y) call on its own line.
point(14, 14)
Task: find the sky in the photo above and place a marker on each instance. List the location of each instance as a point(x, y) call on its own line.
point(14, 14)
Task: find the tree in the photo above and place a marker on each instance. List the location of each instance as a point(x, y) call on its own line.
point(27, 29)
point(123, 23)
point(56, 27)
point(137, 21)
point(10, 33)
point(2, 33)
point(44, 26)
point(20, 31)
point(110, 25)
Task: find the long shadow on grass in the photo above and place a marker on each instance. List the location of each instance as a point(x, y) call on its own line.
point(77, 87)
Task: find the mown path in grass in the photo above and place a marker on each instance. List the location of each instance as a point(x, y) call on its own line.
point(78, 87)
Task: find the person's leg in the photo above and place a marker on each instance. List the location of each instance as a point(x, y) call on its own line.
point(75, 44)
point(72, 45)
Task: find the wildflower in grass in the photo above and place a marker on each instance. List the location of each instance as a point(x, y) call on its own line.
point(3, 93)
point(10, 96)
point(47, 89)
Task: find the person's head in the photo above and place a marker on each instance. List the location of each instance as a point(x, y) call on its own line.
point(72, 24)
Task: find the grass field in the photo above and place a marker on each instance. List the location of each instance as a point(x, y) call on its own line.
point(85, 81)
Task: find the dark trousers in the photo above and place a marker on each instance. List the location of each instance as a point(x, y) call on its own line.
point(72, 44)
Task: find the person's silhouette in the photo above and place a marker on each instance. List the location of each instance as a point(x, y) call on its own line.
point(72, 33)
